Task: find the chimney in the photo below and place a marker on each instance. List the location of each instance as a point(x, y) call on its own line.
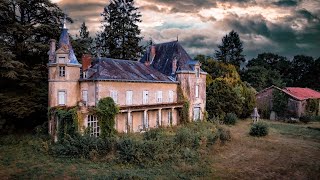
point(174, 66)
point(86, 61)
point(152, 53)
point(52, 50)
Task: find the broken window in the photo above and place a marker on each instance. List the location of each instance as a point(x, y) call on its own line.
point(159, 97)
point(114, 96)
point(170, 96)
point(129, 97)
point(85, 97)
point(145, 97)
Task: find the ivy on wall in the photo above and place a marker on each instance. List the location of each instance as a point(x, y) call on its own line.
point(106, 111)
point(312, 107)
point(68, 120)
point(184, 112)
point(279, 102)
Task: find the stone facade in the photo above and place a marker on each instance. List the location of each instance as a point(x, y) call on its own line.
point(147, 97)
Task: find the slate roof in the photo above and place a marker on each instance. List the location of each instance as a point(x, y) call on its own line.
point(165, 54)
point(65, 44)
point(125, 70)
point(302, 93)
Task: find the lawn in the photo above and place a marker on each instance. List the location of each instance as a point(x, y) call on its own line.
point(290, 151)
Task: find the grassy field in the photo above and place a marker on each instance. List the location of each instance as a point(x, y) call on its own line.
point(290, 151)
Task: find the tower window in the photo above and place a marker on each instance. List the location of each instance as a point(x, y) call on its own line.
point(62, 71)
point(198, 72)
point(62, 98)
point(197, 91)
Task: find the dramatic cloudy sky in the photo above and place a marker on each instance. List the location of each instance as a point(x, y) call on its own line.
point(286, 27)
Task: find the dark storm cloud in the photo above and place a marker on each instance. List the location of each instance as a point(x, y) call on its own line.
point(287, 3)
point(186, 6)
point(284, 38)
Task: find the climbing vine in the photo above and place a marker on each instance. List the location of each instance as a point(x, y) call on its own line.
point(106, 111)
point(312, 107)
point(68, 120)
point(280, 103)
point(184, 112)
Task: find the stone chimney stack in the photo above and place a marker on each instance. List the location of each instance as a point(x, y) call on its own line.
point(174, 66)
point(86, 61)
point(52, 50)
point(152, 53)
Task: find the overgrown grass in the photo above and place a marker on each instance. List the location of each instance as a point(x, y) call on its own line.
point(298, 130)
point(157, 154)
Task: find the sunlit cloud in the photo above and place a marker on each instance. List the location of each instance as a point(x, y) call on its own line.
point(287, 27)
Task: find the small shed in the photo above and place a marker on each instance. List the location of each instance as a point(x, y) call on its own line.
point(301, 101)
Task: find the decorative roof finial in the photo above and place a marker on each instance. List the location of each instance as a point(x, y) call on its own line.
point(65, 21)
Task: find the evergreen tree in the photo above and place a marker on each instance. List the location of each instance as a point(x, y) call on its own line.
point(120, 36)
point(26, 28)
point(83, 43)
point(231, 50)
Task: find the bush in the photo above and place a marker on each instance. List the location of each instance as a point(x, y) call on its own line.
point(224, 135)
point(259, 129)
point(153, 134)
point(127, 150)
point(305, 119)
point(185, 137)
point(230, 119)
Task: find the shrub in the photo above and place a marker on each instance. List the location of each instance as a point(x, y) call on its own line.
point(153, 134)
point(127, 150)
point(230, 119)
point(224, 135)
point(305, 119)
point(259, 129)
point(185, 137)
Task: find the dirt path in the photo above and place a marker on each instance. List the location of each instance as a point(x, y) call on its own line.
point(273, 157)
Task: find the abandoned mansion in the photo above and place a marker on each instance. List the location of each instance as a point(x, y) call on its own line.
point(146, 91)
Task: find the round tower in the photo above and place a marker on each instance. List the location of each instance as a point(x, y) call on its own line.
point(64, 73)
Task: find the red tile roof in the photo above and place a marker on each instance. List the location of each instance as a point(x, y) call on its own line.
point(302, 93)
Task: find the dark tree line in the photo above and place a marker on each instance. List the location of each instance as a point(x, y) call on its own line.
point(26, 27)
point(271, 69)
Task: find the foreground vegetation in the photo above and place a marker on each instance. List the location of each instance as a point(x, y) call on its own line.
point(290, 150)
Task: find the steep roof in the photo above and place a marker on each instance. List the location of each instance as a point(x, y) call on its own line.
point(165, 53)
point(64, 43)
point(125, 70)
point(302, 93)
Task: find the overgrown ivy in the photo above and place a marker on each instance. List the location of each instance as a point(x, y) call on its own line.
point(106, 111)
point(312, 107)
point(280, 102)
point(184, 112)
point(68, 120)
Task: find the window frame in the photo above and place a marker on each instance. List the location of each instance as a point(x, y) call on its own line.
point(114, 95)
point(129, 97)
point(85, 97)
point(64, 97)
point(170, 99)
point(145, 97)
point(62, 71)
point(197, 91)
point(93, 125)
point(159, 97)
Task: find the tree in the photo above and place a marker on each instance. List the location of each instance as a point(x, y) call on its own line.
point(300, 71)
point(231, 50)
point(26, 27)
point(83, 44)
point(120, 36)
point(226, 93)
point(265, 70)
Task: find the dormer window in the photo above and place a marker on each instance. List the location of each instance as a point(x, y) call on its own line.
point(62, 71)
point(61, 60)
point(85, 75)
point(197, 72)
